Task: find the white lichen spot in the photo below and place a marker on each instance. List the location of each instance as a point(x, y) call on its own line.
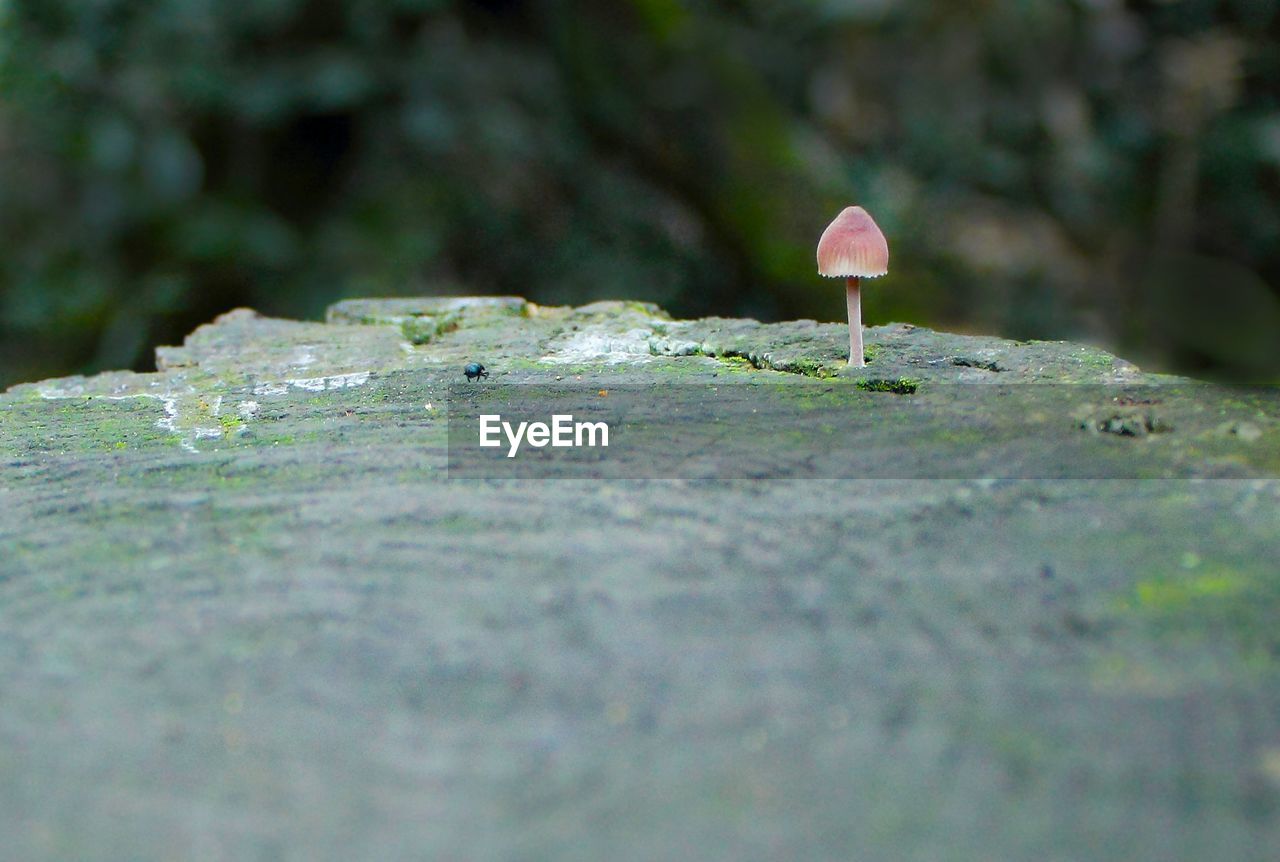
point(349, 381)
point(310, 384)
point(168, 422)
point(183, 407)
point(171, 404)
point(597, 344)
point(320, 384)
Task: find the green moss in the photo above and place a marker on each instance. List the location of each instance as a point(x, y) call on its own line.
point(426, 328)
point(807, 367)
point(742, 359)
point(1221, 604)
point(1098, 360)
point(736, 363)
point(83, 426)
point(898, 386)
point(1166, 595)
point(647, 309)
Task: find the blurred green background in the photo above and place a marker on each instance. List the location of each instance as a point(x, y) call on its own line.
point(1098, 170)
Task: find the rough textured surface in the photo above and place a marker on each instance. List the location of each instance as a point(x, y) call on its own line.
point(244, 614)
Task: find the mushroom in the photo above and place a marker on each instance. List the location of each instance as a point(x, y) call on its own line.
point(852, 247)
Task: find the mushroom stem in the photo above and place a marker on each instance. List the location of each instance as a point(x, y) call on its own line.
point(854, 296)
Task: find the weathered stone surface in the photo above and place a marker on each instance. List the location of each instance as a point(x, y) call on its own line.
point(244, 613)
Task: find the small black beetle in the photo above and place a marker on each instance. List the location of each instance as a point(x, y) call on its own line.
point(475, 371)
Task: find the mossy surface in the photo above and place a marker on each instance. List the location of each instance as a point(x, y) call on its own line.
point(898, 386)
point(245, 606)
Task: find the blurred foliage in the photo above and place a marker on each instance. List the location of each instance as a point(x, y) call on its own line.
point(1043, 168)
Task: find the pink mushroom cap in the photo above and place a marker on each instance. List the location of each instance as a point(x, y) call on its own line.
point(853, 246)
